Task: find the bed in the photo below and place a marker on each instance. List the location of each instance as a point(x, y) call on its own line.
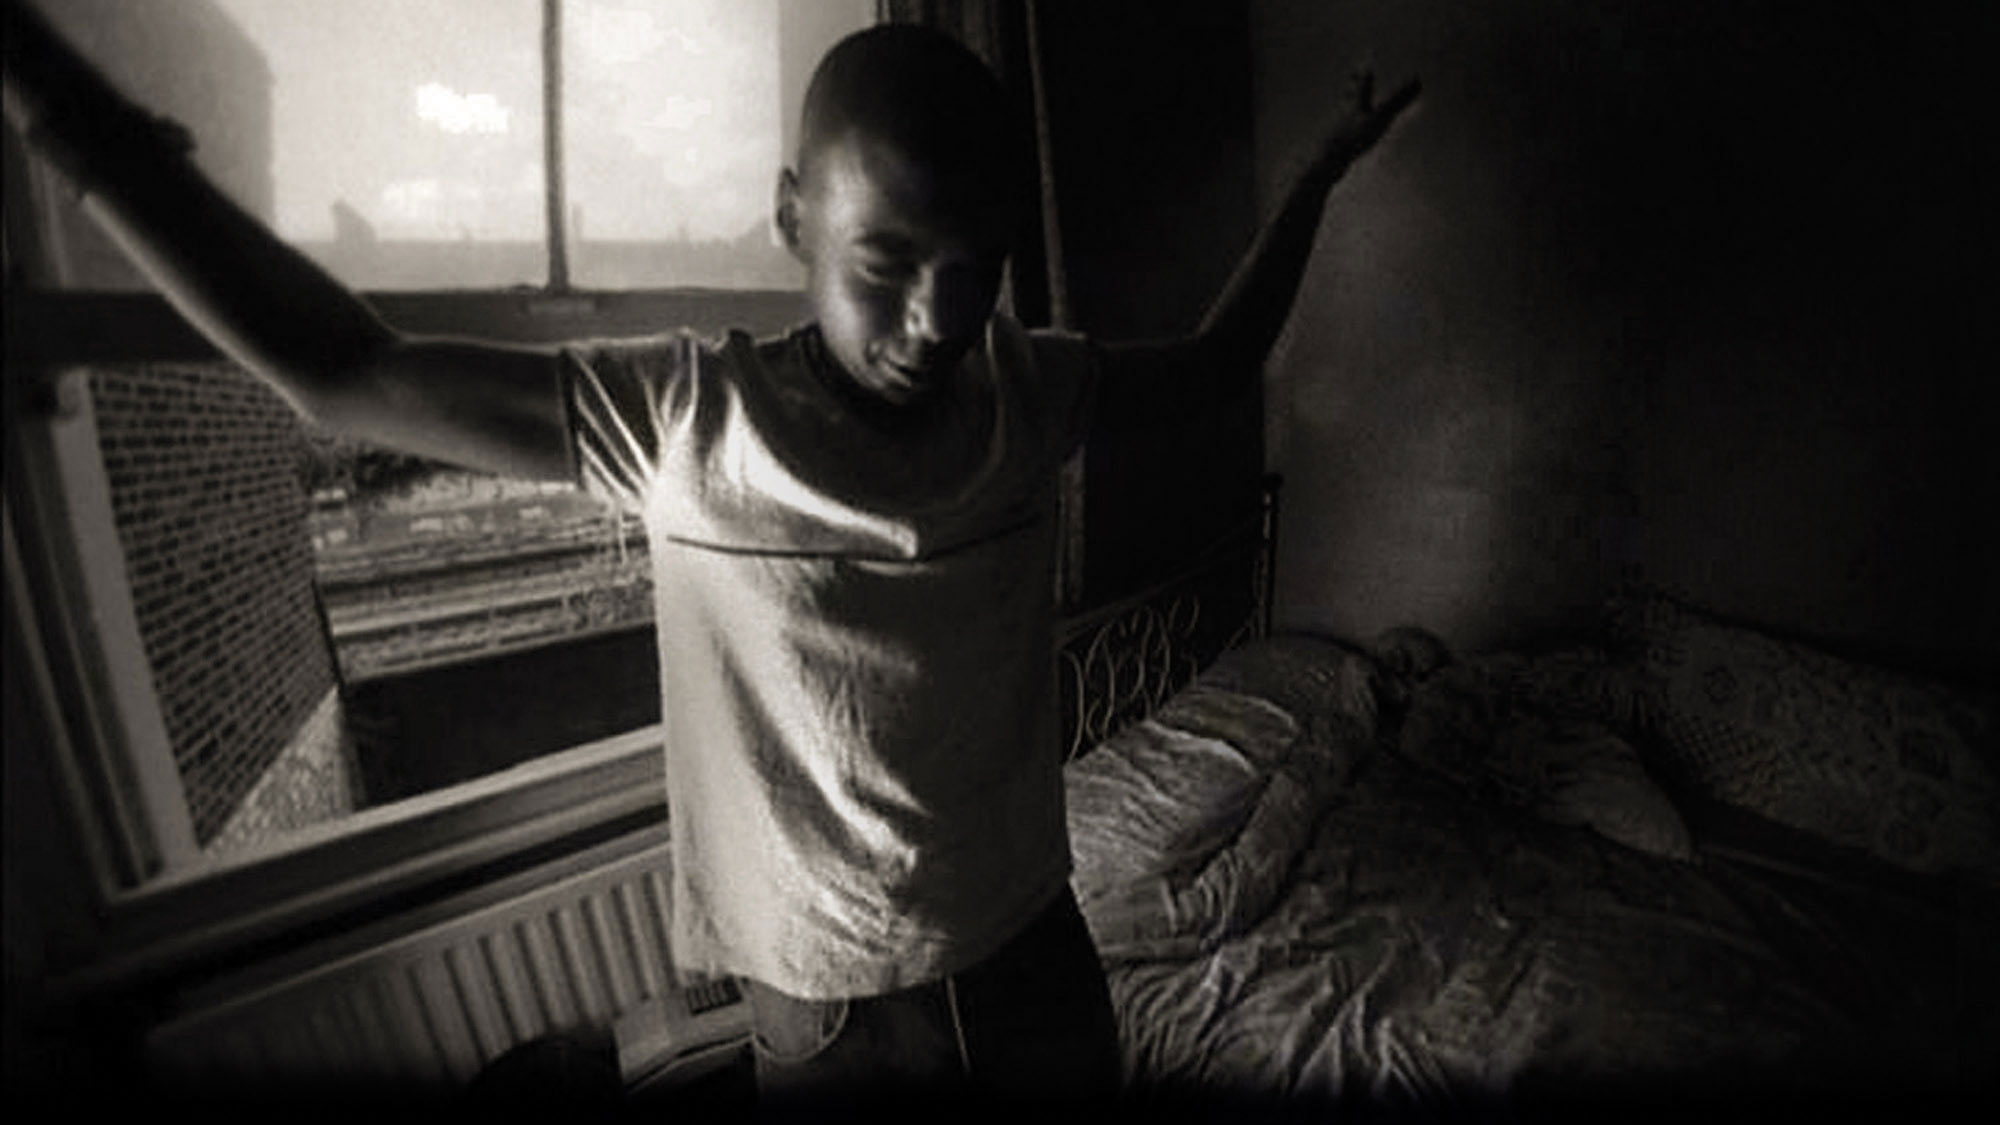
point(1673, 861)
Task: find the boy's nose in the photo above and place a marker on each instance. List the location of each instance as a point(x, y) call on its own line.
point(936, 310)
point(922, 317)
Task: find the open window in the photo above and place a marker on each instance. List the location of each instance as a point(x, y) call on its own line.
point(273, 679)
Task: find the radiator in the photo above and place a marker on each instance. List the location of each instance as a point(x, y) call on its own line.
point(431, 1003)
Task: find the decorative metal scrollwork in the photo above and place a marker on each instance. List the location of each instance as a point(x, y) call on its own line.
point(1127, 667)
point(1120, 662)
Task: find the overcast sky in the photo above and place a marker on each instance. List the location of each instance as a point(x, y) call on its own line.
point(425, 115)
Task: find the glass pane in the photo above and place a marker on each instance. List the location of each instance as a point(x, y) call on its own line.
point(397, 142)
point(327, 627)
point(478, 622)
point(678, 116)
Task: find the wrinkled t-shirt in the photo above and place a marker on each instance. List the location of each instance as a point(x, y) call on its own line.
point(856, 648)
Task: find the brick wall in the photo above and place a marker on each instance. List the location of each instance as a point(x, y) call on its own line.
point(203, 466)
point(312, 781)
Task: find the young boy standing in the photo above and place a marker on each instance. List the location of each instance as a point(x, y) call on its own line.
point(852, 529)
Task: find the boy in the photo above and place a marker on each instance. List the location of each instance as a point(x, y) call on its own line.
point(851, 527)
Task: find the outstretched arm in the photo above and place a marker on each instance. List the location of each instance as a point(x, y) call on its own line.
point(263, 303)
point(1169, 378)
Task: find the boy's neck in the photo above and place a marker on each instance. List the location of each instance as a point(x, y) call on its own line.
point(875, 411)
point(841, 383)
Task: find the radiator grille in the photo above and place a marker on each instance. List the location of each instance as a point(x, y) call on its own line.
point(432, 1006)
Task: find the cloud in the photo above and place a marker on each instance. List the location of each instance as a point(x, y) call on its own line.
point(454, 112)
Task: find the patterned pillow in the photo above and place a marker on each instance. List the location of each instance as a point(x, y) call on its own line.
point(1861, 756)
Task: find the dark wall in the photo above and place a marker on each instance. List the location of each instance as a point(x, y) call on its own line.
point(1686, 294)
point(1149, 108)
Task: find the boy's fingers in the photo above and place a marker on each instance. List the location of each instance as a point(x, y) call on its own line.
point(1383, 115)
point(1366, 126)
point(1361, 87)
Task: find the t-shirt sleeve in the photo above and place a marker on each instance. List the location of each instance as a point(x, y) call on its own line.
point(618, 397)
point(1068, 365)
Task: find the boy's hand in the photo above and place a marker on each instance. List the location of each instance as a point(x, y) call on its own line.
point(1362, 123)
point(263, 303)
point(66, 110)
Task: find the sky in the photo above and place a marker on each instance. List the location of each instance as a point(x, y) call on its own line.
point(424, 116)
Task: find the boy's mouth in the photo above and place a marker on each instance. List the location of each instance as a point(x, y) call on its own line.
point(917, 372)
point(906, 384)
point(905, 376)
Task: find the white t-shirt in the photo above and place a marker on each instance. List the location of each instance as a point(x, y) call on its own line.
point(856, 648)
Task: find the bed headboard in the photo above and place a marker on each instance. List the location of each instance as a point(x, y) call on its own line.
point(1120, 660)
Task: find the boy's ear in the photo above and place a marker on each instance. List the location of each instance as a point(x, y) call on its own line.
point(785, 214)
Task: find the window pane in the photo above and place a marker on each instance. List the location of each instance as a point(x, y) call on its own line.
point(326, 627)
point(478, 622)
point(678, 116)
point(397, 142)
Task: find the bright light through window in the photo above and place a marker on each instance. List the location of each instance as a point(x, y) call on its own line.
point(400, 142)
point(407, 136)
point(673, 142)
point(678, 117)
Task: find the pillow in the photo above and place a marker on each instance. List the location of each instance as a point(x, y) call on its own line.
point(1535, 733)
point(1860, 756)
point(1327, 687)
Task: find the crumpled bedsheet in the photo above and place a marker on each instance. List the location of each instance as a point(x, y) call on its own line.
point(1191, 821)
point(1315, 916)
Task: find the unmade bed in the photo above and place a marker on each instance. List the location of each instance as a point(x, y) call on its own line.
point(1671, 861)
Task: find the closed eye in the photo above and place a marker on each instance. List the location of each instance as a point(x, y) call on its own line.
point(883, 273)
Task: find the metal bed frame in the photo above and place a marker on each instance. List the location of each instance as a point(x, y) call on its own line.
point(1120, 660)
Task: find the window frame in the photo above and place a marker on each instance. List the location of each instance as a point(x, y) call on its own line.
point(125, 918)
point(147, 921)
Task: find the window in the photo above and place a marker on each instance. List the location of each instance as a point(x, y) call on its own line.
point(404, 144)
point(226, 610)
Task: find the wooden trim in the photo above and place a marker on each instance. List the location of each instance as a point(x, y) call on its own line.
point(52, 605)
point(33, 665)
point(157, 801)
point(54, 327)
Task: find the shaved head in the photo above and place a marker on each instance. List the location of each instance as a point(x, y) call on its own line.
point(911, 184)
point(927, 96)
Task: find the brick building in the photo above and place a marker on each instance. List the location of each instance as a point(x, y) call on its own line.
point(202, 464)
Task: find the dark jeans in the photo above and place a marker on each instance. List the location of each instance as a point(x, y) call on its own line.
point(1033, 1022)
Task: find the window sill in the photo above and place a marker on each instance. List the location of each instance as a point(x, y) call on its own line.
point(346, 873)
point(101, 327)
point(205, 916)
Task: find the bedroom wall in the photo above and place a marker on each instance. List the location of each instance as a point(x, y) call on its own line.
point(1149, 111)
point(1675, 293)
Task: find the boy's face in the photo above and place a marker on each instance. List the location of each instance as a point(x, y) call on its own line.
point(903, 267)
